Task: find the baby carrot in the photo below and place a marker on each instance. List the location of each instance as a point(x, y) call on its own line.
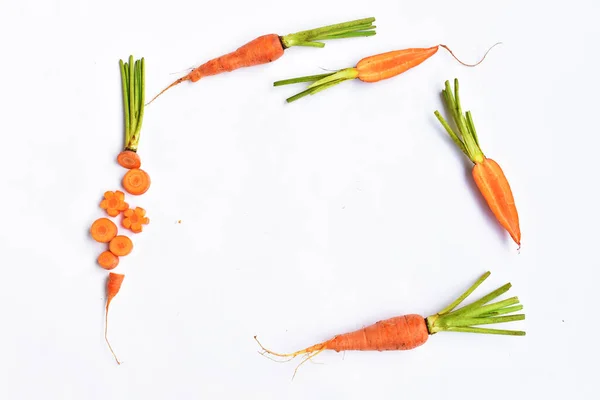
point(136, 181)
point(103, 230)
point(113, 285)
point(371, 69)
point(488, 175)
point(133, 82)
point(267, 48)
point(108, 260)
point(120, 245)
point(410, 331)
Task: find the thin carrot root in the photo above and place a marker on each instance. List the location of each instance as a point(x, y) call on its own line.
point(177, 82)
point(113, 285)
point(465, 64)
point(308, 354)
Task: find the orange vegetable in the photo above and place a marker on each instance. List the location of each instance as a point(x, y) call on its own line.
point(488, 175)
point(129, 159)
point(136, 181)
point(108, 260)
point(267, 48)
point(103, 230)
point(134, 219)
point(120, 246)
point(113, 285)
point(410, 331)
point(371, 69)
point(114, 203)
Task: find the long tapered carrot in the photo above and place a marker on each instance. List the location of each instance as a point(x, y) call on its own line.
point(267, 48)
point(488, 175)
point(113, 285)
point(371, 69)
point(411, 331)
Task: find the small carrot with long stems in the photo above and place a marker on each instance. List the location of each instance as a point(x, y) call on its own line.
point(371, 69)
point(268, 48)
point(488, 175)
point(133, 82)
point(407, 332)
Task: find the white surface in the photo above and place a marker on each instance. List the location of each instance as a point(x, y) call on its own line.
point(298, 221)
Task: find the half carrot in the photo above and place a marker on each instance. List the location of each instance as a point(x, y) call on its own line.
point(371, 69)
point(267, 48)
point(103, 230)
point(133, 82)
point(488, 175)
point(410, 331)
point(113, 285)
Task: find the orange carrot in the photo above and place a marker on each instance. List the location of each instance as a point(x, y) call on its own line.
point(136, 181)
point(133, 82)
point(120, 245)
point(371, 69)
point(488, 175)
point(134, 219)
point(114, 203)
point(108, 260)
point(103, 230)
point(113, 285)
point(410, 331)
point(267, 48)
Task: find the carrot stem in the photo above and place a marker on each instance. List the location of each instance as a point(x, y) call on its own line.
point(133, 81)
point(478, 313)
point(466, 138)
point(309, 78)
point(319, 82)
point(356, 28)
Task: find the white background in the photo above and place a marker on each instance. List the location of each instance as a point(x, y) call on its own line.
point(298, 221)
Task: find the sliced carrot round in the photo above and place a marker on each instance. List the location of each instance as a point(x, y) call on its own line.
point(120, 245)
point(136, 181)
point(103, 230)
point(108, 260)
point(129, 159)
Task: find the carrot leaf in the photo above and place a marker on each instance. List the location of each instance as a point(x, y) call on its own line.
point(466, 138)
point(466, 319)
point(309, 78)
point(357, 28)
point(319, 82)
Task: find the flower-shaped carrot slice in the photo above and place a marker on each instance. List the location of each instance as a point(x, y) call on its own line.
point(134, 219)
point(114, 203)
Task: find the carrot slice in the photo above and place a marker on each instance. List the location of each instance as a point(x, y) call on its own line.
point(120, 245)
point(108, 260)
point(129, 159)
point(103, 230)
point(136, 181)
point(114, 203)
point(134, 219)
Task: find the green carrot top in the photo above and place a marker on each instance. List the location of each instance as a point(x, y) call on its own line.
point(133, 81)
point(356, 28)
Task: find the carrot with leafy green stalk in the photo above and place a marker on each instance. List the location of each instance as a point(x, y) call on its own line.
point(268, 48)
point(410, 331)
point(488, 175)
point(371, 69)
point(133, 80)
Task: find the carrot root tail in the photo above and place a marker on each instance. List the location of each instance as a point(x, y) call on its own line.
point(106, 335)
point(308, 354)
point(177, 82)
point(465, 64)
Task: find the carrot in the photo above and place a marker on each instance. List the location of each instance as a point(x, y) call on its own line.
point(120, 245)
point(371, 69)
point(114, 203)
point(134, 219)
point(267, 48)
point(488, 175)
point(108, 260)
point(113, 285)
point(103, 230)
point(410, 331)
point(133, 82)
point(136, 181)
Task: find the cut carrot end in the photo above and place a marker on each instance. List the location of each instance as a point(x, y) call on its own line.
point(113, 285)
point(136, 181)
point(120, 245)
point(103, 230)
point(108, 260)
point(129, 159)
